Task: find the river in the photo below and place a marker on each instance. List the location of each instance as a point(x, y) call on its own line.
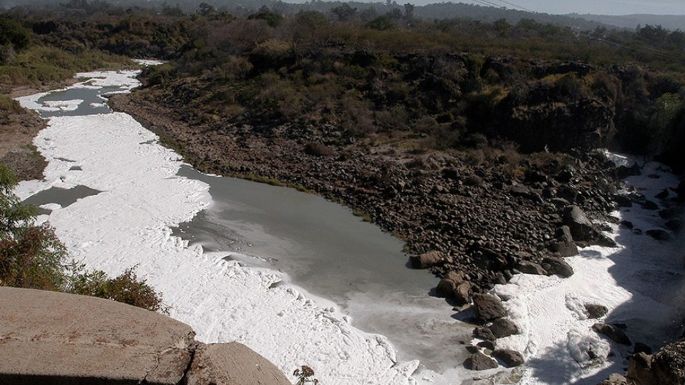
point(303, 281)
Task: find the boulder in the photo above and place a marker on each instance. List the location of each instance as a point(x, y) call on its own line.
point(659, 234)
point(484, 334)
point(626, 171)
point(426, 260)
point(503, 327)
point(564, 244)
point(64, 338)
point(615, 379)
point(479, 361)
point(649, 205)
point(488, 307)
point(510, 358)
point(455, 286)
point(594, 311)
point(668, 364)
point(557, 266)
point(582, 229)
point(232, 364)
point(527, 267)
point(614, 333)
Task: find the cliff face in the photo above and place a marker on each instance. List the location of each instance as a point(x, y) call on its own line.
point(50, 337)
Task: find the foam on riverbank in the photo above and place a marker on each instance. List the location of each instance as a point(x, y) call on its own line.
point(634, 280)
point(128, 224)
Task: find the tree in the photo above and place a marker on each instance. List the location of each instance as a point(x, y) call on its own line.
point(344, 12)
point(409, 11)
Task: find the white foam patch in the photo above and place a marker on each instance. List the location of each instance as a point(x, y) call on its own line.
point(556, 335)
point(128, 224)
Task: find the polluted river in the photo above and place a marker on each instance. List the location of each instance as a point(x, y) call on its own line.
point(300, 280)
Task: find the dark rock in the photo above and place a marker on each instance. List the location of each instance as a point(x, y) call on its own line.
point(489, 345)
point(640, 369)
point(615, 379)
point(450, 173)
point(663, 194)
point(668, 364)
point(659, 234)
point(503, 327)
point(455, 286)
point(564, 246)
point(479, 361)
point(627, 224)
point(623, 200)
point(510, 358)
point(614, 333)
point(649, 205)
point(557, 266)
point(625, 171)
point(674, 224)
point(488, 307)
point(483, 334)
point(426, 260)
point(531, 268)
point(318, 149)
point(595, 311)
point(582, 229)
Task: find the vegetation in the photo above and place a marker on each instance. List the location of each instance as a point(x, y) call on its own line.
point(31, 256)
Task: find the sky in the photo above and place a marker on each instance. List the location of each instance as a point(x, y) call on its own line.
point(603, 7)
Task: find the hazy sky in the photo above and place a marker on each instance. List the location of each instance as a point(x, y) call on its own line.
point(606, 7)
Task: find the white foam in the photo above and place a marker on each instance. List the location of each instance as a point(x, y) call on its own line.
point(128, 224)
point(556, 333)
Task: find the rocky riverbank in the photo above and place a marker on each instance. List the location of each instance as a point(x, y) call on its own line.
point(477, 216)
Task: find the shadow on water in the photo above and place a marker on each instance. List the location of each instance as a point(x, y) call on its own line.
point(331, 253)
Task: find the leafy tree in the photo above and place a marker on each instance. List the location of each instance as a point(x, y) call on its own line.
point(344, 12)
point(14, 34)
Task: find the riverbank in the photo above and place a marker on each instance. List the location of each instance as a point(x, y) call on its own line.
point(485, 211)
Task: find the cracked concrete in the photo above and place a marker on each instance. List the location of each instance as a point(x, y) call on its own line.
point(57, 338)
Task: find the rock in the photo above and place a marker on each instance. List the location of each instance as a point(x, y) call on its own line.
point(479, 361)
point(615, 379)
point(484, 334)
point(649, 205)
point(564, 246)
point(640, 370)
point(663, 194)
point(530, 268)
point(426, 260)
point(613, 332)
point(680, 190)
point(450, 173)
point(674, 224)
point(557, 266)
point(668, 364)
point(659, 234)
point(595, 311)
point(487, 344)
point(503, 327)
point(510, 358)
point(625, 171)
point(488, 307)
point(582, 228)
point(232, 364)
point(61, 337)
point(623, 200)
point(453, 286)
point(627, 224)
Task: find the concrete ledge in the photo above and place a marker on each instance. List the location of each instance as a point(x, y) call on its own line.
point(57, 338)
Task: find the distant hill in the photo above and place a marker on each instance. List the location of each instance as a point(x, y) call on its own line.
point(671, 22)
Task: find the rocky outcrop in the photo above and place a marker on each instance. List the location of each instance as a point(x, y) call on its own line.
point(488, 307)
point(50, 337)
point(666, 367)
point(582, 229)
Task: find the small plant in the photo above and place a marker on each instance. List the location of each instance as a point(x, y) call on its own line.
point(304, 376)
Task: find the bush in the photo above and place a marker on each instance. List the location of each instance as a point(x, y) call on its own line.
point(125, 288)
point(317, 149)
